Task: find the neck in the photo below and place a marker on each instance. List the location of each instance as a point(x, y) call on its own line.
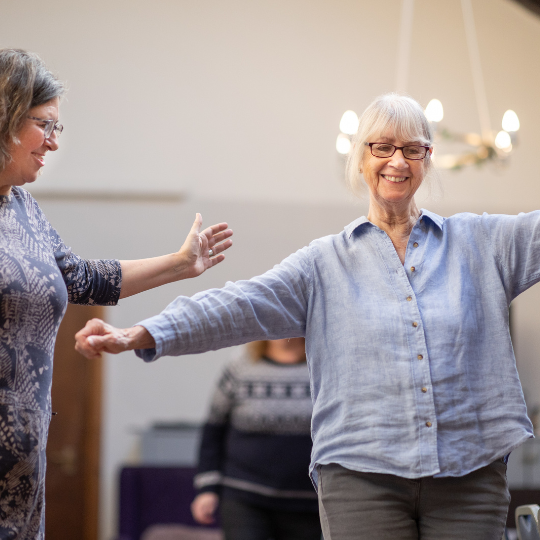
point(5, 190)
point(394, 219)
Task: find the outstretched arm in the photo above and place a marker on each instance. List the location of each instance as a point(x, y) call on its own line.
point(191, 261)
point(271, 306)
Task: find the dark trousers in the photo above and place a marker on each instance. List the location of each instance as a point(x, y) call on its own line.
point(367, 506)
point(242, 521)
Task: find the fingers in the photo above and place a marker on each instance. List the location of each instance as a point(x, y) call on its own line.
point(98, 337)
point(214, 229)
point(93, 326)
point(220, 248)
point(217, 233)
point(197, 224)
point(220, 237)
point(216, 260)
point(82, 345)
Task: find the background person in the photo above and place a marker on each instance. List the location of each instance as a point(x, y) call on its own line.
point(417, 400)
point(39, 274)
point(256, 448)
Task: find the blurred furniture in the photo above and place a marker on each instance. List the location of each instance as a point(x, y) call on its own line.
point(180, 532)
point(155, 496)
point(524, 466)
point(527, 522)
point(520, 497)
point(171, 444)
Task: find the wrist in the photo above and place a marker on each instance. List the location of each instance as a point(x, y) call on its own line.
point(138, 337)
point(181, 265)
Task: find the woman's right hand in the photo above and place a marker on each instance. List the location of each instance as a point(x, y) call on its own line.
point(98, 337)
point(204, 507)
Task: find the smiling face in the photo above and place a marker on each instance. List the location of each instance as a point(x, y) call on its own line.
point(392, 181)
point(28, 156)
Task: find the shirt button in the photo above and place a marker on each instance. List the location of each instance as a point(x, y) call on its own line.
point(424, 390)
point(415, 244)
point(428, 424)
point(413, 268)
point(415, 324)
point(409, 298)
point(420, 357)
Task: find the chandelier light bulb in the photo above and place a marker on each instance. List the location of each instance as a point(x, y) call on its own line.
point(510, 121)
point(349, 123)
point(434, 111)
point(343, 144)
point(503, 141)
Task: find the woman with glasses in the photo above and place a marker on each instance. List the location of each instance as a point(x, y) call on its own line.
point(416, 398)
point(39, 274)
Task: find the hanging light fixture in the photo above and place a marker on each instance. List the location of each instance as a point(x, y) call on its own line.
point(480, 148)
point(343, 144)
point(486, 146)
point(348, 126)
point(434, 111)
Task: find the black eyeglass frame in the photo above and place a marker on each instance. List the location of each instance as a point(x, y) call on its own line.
point(48, 131)
point(402, 148)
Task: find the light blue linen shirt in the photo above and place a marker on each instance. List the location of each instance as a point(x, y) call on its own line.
point(412, 367)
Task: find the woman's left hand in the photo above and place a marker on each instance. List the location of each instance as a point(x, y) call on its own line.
point(195, 252)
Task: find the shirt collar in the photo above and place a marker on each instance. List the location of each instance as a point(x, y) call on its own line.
point(434, 218)
point(363, 220)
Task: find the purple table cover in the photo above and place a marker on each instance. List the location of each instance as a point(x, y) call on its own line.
point(154, 495)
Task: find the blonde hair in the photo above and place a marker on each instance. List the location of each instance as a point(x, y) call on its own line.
point(402, 115)
point(257, 349)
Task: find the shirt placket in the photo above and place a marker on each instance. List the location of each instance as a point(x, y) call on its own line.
point(408, 277)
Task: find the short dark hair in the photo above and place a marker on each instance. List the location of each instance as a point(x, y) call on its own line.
point(25, 82)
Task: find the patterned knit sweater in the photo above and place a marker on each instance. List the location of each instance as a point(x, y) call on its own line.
point(256, 443)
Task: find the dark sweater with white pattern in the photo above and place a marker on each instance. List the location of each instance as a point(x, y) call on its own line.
point(256, 443)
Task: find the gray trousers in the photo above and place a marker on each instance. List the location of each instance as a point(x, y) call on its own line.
point(357, 506)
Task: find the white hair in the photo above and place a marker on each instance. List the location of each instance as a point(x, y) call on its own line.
point(401, 115)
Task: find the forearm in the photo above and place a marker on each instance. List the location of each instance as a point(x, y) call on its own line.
point(271, 306)
point(143, 274)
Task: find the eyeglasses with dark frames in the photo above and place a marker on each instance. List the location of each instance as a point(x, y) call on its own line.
point(384, 150)
point(49, 126)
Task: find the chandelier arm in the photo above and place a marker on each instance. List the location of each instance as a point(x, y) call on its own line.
point(476, 68)
point(404, 45)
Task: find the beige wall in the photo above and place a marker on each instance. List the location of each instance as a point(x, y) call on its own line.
point(236, 104)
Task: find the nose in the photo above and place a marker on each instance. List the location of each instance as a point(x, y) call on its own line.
point(52, 142)
point(398, 160)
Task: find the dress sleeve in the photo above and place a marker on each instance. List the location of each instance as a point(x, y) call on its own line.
point(515, 241)
point(88, 282)
point(212, 452)
point(271, 306)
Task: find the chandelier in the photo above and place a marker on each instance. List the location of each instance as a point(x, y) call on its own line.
point(477, 149)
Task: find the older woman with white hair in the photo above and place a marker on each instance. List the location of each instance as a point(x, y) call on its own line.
point(416, 398)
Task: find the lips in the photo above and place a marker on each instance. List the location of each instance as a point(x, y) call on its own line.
point(394, 179)
point(40, 158)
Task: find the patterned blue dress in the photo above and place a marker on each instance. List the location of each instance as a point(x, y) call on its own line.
point(39, 275)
